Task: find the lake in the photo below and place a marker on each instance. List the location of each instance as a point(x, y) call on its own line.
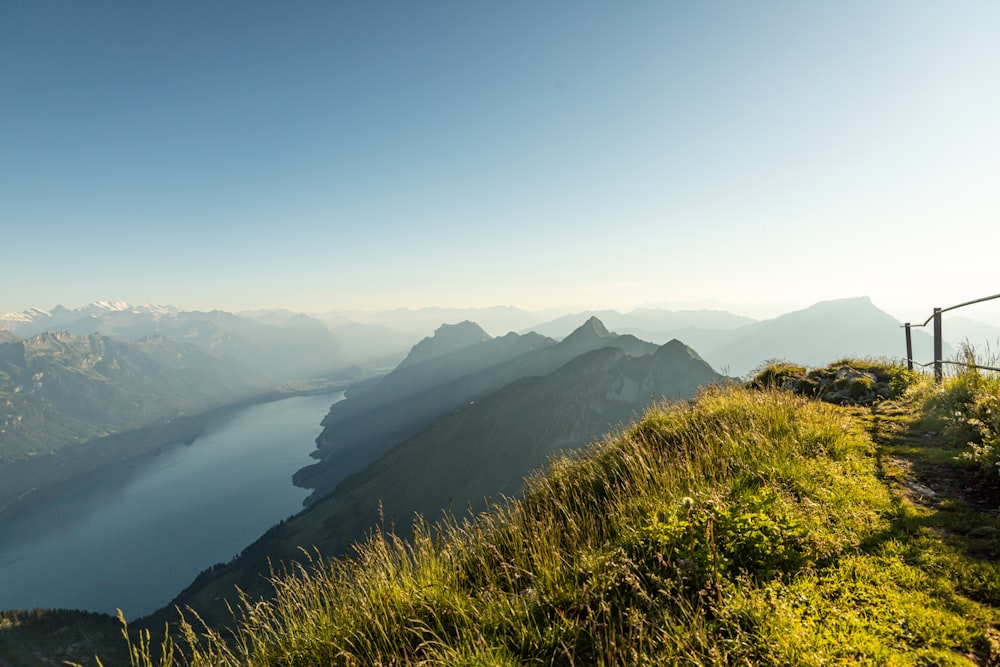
point(135, 535)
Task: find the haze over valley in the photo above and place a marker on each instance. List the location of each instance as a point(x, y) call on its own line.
point(278, 278)
point(456, 418)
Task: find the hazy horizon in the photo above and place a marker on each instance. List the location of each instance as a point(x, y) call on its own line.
point(325, 156)
point(988, 312)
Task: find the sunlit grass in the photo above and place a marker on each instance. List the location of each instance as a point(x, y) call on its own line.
point(965, 409)
point(746, 527)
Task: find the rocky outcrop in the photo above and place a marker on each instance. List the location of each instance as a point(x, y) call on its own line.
point(853, 383)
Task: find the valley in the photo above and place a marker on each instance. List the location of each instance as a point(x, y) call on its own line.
point(453, 426)
point(475, 333)
point(132, 534)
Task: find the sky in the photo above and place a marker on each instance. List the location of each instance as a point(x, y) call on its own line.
point(368, 155)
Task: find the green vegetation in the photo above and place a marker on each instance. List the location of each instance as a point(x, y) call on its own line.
point(44, 637)
point(847, 381)
point(482, 450)
point(965, 410)
point(749, 526)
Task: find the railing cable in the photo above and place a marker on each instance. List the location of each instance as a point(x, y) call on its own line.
point(938, 343)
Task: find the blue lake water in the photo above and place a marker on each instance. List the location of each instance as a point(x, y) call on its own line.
point(134, 536)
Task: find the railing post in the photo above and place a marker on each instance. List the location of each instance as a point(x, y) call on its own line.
point(909, 348)
point(938, 374)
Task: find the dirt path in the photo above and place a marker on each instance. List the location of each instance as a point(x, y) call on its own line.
point(942, 496)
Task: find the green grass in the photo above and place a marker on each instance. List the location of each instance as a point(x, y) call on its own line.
point(965, 411)
point(749, 526)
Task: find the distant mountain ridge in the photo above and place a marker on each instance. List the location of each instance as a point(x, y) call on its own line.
point(489, 445)
point(814, 336)
point(36, 320)
point(497, 320)
point(421, 391)
point(818, 335)
point(487, 430)
point(72, 387)
point(447, 338)
point(645, 322)
point(61, 390)
point(956, 329)
point(287, 348)
point(299, 344)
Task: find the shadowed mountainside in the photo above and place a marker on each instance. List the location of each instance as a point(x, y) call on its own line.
point(59, 392)
point(482, 450)
point(59, 389)
point(459, 364)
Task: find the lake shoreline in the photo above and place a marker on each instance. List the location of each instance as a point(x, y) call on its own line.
point(99, 455)
point(134, 532)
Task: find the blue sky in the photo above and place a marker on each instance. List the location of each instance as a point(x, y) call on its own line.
point(324, 155)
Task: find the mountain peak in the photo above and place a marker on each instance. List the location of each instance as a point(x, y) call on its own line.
point(592, 329)
point(466, 331)
point(107, 305)
point(447, 338)
point(854, 302)
point(848, 308)
point(675, 349)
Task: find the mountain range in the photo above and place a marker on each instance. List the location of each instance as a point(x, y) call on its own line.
point(465, 416)
point(298, 346)
point(646, 323)
point(284, 344)
point(816, 336)
point(460, 419)
point(813, 336)
point(460, 363)
point(481, 413)
point(61, 392)
point(442, 373)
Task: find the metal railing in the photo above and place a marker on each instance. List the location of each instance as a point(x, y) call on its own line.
point(938, 344)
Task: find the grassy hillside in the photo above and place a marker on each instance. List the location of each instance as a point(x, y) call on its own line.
point(749, 526)
point(438, 378)
point(480, 452)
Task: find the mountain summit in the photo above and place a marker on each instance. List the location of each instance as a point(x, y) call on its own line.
point(448, 338)
point(590, 330)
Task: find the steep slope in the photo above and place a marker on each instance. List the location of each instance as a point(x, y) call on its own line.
point(743, 528)
point(480, 451)
point(417, 395)
point(432, 382)
point(488, 446)
point(447, 339)
point(59, 390)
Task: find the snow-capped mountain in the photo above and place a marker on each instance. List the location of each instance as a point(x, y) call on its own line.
point(36, 320)
point(295, 347)
point(29, 315)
